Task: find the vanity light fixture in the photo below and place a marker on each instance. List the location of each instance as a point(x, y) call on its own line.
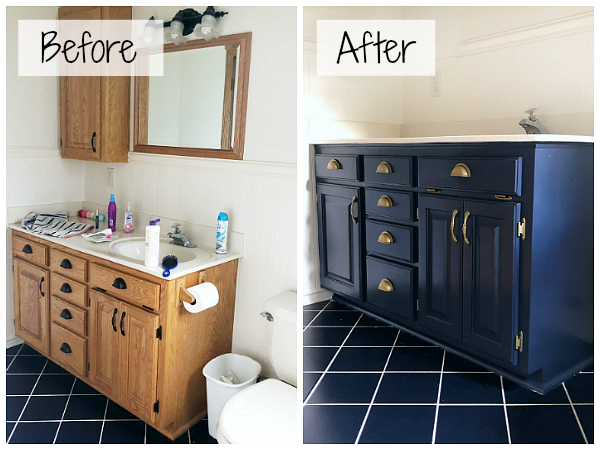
point(182, 25)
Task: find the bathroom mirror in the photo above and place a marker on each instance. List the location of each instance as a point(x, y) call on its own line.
point(198, 107)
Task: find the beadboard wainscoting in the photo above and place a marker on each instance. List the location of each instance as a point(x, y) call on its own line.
point(259, 199)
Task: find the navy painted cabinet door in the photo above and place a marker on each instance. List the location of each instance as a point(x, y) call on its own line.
point(490, 278)
point(440, 256)
point(340, 256)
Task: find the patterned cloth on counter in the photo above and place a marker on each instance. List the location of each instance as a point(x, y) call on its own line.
point(55, 225)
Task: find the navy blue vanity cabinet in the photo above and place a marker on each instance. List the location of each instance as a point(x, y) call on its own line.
point(482, 248)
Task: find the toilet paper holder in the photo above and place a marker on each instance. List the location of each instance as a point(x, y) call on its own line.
point(185, 296)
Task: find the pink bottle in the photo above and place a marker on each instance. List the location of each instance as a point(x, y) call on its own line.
point(112, 213)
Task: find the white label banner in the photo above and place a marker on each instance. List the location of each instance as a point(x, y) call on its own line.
point(376, 48)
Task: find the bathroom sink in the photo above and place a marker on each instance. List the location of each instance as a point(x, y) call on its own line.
point(134, 248)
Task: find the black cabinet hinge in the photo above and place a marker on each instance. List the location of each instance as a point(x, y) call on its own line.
point(61, 142)
point(156, 406)
point(88, 367)
point(159, 333)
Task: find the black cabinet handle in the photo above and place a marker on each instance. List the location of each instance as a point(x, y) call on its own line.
point(41, 281)
point(27, 249)
point(66, 314)
point(122, 318)
point(66, 288)
point(119, 283)
point(66, 264)
point(93, 148)
point(65, 348)
point(113, 320)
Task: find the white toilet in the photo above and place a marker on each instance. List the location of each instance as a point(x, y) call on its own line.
point(265, 413)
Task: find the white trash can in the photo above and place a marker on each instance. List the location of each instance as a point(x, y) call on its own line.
point(217, 392)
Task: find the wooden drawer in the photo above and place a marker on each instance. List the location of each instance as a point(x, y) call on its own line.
point(391, 287)
point(68, 316)
point(127, 287)
point(390, 240)
point(394, 170)
point(30, 251)
point(497, 175)
point(332, 166)
point(67, 289)
point(68, 348)
point(392, 204)
point(69, 265)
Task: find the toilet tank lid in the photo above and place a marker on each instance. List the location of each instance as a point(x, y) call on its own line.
point(283, 306)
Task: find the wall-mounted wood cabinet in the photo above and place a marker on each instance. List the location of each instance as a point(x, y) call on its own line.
point(94, 111)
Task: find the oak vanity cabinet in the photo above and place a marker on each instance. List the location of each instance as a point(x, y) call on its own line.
point(94, 111)
point(122, 331)
point(482, 248)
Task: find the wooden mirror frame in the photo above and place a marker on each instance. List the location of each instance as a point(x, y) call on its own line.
point(244, 41)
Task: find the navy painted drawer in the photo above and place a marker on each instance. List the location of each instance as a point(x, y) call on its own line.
point(334, 166)
point(497, 175)
point(390, 240)
point(391, 287)
point(391, 204)
point(394, 170)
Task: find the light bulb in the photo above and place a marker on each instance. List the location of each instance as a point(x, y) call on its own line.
point(149, 36)
point(206, 29)
point(176, 32)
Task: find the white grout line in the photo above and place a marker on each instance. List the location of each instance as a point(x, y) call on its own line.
point(317, 315)
point(53, 395)
point(189, 437)
point(444, 405)
point(64, 411)
point(145, 431)
point(437, 407)
point(576, 416)
point(505, 409)
point(15, 357)
point(26, 403)
point(103, 421)
point(375, 393)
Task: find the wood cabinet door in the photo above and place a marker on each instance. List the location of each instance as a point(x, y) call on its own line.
point(340, 226)
point(490, 278)
point(138, 360)
point(104, 341)
point(80, 98)
point(440, 247)
point(31, 296)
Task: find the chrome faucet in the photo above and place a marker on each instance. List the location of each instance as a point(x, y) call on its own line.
point(179, 238)
point(532, 125)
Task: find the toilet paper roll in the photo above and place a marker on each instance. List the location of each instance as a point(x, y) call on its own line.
point(206, 296)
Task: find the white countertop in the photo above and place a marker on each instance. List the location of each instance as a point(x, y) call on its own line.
point(101, 250)
point(473, 138)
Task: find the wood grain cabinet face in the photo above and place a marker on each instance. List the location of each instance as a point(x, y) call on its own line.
point(31, 304)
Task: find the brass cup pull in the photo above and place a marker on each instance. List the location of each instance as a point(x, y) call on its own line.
point(334, 164)
point(354, 199)
point(461, 170)
point(385, 285)
point(385, 238)
point(385, 202)
point(384, 167)
point(464, 227)
point(454, 213)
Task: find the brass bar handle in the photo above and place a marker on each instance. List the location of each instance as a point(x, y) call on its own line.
point(502, 197)
point(385, 202)
point(384, 167)
point(334, 164)
point(385, 285)
point(354, 199)
point(461, 170)
point(454, 213)
point(464, 228)
point(385, 238)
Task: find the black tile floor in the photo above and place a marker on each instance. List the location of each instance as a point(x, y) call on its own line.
point(45, 405)
point(366, 382)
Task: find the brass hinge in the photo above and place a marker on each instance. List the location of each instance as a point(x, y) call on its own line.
point(502, 197)
point(521, 229)
point(417, 304)
point(417, 213)
point(434, 191)
point(155, 406)
point(519, 342)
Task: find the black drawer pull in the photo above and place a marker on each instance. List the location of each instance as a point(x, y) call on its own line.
point(122, 318)
point(119, 283)
point(113, 320)
point(66, 288)
point(41, 281)
point(66, 264)
point(27, 249)
point(66, 314)
point(65, 348)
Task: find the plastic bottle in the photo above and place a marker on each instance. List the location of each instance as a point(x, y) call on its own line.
point(152, 243)
point(112, 213)
point(222, 223)
point(128, 225)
